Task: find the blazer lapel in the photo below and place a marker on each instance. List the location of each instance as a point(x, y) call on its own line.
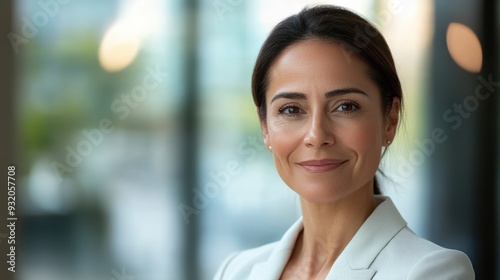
point(378, 230)
point(355, 261)
point(362, 274)
point(272, 268)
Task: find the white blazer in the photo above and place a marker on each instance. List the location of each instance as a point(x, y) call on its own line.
point(383, 248)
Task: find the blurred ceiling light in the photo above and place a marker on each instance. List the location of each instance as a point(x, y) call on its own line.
point(122, 41)
point(118, 48)
point(464, 47)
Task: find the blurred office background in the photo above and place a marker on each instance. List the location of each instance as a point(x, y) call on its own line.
point(139, 153)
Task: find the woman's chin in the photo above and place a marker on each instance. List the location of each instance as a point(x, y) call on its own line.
point(326, 192)
point(321, 194)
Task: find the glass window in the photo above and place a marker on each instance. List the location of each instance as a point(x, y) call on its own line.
point(101, 90)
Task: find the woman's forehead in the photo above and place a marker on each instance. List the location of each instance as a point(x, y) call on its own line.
point(317, 64)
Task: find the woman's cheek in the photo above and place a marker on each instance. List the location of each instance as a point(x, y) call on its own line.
point(363, 137)
point(283, 141)
point(367, 143)
point(285, 129)
point(285, 138)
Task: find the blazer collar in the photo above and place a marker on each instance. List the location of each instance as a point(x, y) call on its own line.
point(273, 267)
point(375, 233)
point(354, 262)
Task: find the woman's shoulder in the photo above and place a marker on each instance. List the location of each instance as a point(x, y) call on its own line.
point(267, 259)
point(239, 265)
point(419, 258)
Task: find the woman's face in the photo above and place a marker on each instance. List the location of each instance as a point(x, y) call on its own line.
point(324, 121)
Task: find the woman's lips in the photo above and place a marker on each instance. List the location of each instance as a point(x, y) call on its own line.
point(322, 165)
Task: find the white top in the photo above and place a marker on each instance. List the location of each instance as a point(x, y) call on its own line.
point(383, 248)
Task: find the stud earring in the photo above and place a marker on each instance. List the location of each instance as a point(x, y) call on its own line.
point(388, 142)
point(270, 148)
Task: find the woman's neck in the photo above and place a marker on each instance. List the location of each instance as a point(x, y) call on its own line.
point(328, 228)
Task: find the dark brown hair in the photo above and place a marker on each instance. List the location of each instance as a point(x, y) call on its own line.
point(335, 24)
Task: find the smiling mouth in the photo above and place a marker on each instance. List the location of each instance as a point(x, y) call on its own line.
point(320, 166)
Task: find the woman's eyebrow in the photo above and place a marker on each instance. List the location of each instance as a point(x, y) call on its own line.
point(343, 91)
point(289, 95)
point(329, 94)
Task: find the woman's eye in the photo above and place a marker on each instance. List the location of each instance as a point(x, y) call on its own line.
point(291, 110)
point(348, 107)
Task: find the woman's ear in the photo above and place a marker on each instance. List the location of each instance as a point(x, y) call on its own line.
point(265, 133)
point(392, 119)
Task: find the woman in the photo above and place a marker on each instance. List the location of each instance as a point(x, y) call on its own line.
point(329, 99)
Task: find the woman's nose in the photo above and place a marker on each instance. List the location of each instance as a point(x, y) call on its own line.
point(319, 133)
